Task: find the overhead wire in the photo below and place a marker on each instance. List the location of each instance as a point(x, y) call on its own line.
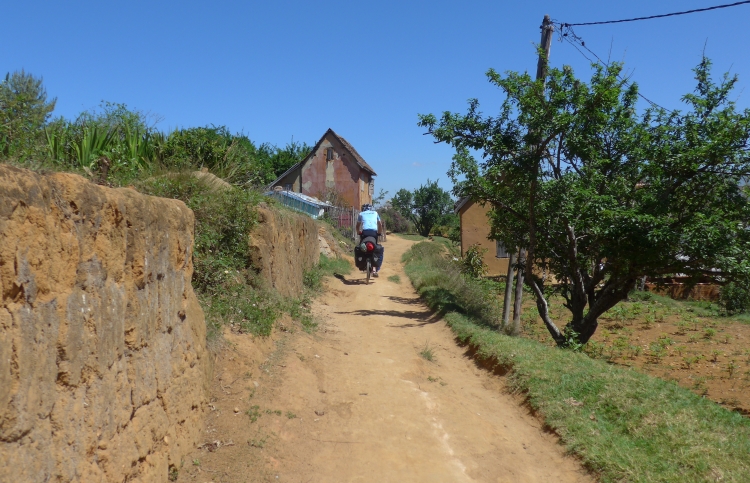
point(567, 33)
point(673, 14)
point(567, 36)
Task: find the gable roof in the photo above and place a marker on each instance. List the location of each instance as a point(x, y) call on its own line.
point(357, 158)
point(460, 204)
point(360, 161)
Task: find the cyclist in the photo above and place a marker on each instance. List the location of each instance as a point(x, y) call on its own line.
point(370, 224)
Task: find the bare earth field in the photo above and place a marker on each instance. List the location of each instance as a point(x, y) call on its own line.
point(672, 340)
point(358, 401)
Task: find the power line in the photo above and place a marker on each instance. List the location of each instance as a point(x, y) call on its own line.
point(567, 33)
point(716, 7)
point(576, 41)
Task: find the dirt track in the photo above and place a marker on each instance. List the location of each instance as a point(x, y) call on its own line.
point(355, 402)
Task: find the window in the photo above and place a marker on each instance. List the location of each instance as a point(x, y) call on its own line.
point(329, 154)
point(500, 251)
point(287, 187)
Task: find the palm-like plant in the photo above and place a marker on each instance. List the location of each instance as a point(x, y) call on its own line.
point(94, 142)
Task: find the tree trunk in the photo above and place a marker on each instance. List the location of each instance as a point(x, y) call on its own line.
point(516, 328)
point(609, 296)
point(508, 292)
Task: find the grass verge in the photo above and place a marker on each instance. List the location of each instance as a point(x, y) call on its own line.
point(622, 424)
point(411, 237)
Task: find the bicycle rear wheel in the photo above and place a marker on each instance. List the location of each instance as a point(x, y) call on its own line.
point(369, 270)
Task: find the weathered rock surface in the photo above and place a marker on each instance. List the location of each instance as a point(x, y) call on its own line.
point(282, 246)
point(103, 362)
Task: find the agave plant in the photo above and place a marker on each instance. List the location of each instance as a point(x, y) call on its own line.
point(56, 140)
point(93, 143)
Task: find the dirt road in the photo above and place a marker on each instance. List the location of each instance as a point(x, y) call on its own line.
point(356, 402)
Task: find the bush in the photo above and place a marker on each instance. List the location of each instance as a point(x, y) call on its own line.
point(396, 222)
point(472, 263)
point(223, 221)
point(735, 297)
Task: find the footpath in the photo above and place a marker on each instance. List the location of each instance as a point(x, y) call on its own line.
point(357, 401)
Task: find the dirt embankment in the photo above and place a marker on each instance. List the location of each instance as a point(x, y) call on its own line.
point(282, 247)
point(102, 342)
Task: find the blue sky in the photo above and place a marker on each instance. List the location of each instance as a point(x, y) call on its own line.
point(282, 69)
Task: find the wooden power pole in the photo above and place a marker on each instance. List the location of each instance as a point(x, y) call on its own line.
point(508, 291)
point(526, 259)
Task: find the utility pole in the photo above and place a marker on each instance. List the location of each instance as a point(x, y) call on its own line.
point(508, 291)
point(526, 258)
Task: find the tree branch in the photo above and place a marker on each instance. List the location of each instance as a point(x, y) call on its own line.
point(543, 308)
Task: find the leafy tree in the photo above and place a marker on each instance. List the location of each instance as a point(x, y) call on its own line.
point(402, 202)
point(601, 196)
point(379, 200)
point(117, 116)
point(277, 160)
point(24, 109)
point(426, 206)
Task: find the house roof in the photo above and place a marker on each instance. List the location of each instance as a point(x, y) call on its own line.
point(360, 161)
point(460, 204)
point(357, 158)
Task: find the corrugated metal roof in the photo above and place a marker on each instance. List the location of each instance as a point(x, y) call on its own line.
point(299, 196)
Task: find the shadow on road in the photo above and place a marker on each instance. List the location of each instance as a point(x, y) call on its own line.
point(404, 300)
point(358, 281)
point(424, 317)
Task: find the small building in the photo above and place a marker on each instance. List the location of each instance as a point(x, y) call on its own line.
point(475, 228)
point(332, 167)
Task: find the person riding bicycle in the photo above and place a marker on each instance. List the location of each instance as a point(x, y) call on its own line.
point(370, 224)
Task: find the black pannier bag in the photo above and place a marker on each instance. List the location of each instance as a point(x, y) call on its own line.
point(360, 256)
point(360, 259)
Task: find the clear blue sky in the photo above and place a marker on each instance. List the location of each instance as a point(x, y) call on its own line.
point(283, 69)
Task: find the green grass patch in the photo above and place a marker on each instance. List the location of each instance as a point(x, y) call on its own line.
point(623, 424)
point(427, 353)
point(439, 280)
point(411, 237)
point(394, 279)
point(327, 267)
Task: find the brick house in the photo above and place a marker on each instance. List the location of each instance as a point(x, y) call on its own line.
point(475, 228)
point(332, 165)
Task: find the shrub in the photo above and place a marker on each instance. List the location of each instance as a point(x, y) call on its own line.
point(224, 219)
point(395, 221)
point(735, 297)
point(472, 263)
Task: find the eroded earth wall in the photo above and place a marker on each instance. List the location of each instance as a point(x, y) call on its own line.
point(282, 246)
point(103, 362)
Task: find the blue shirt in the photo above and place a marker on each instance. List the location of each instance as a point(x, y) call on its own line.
point(369, 220)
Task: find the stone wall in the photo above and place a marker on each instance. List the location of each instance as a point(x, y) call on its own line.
point(103, 362)
point(282, 246)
